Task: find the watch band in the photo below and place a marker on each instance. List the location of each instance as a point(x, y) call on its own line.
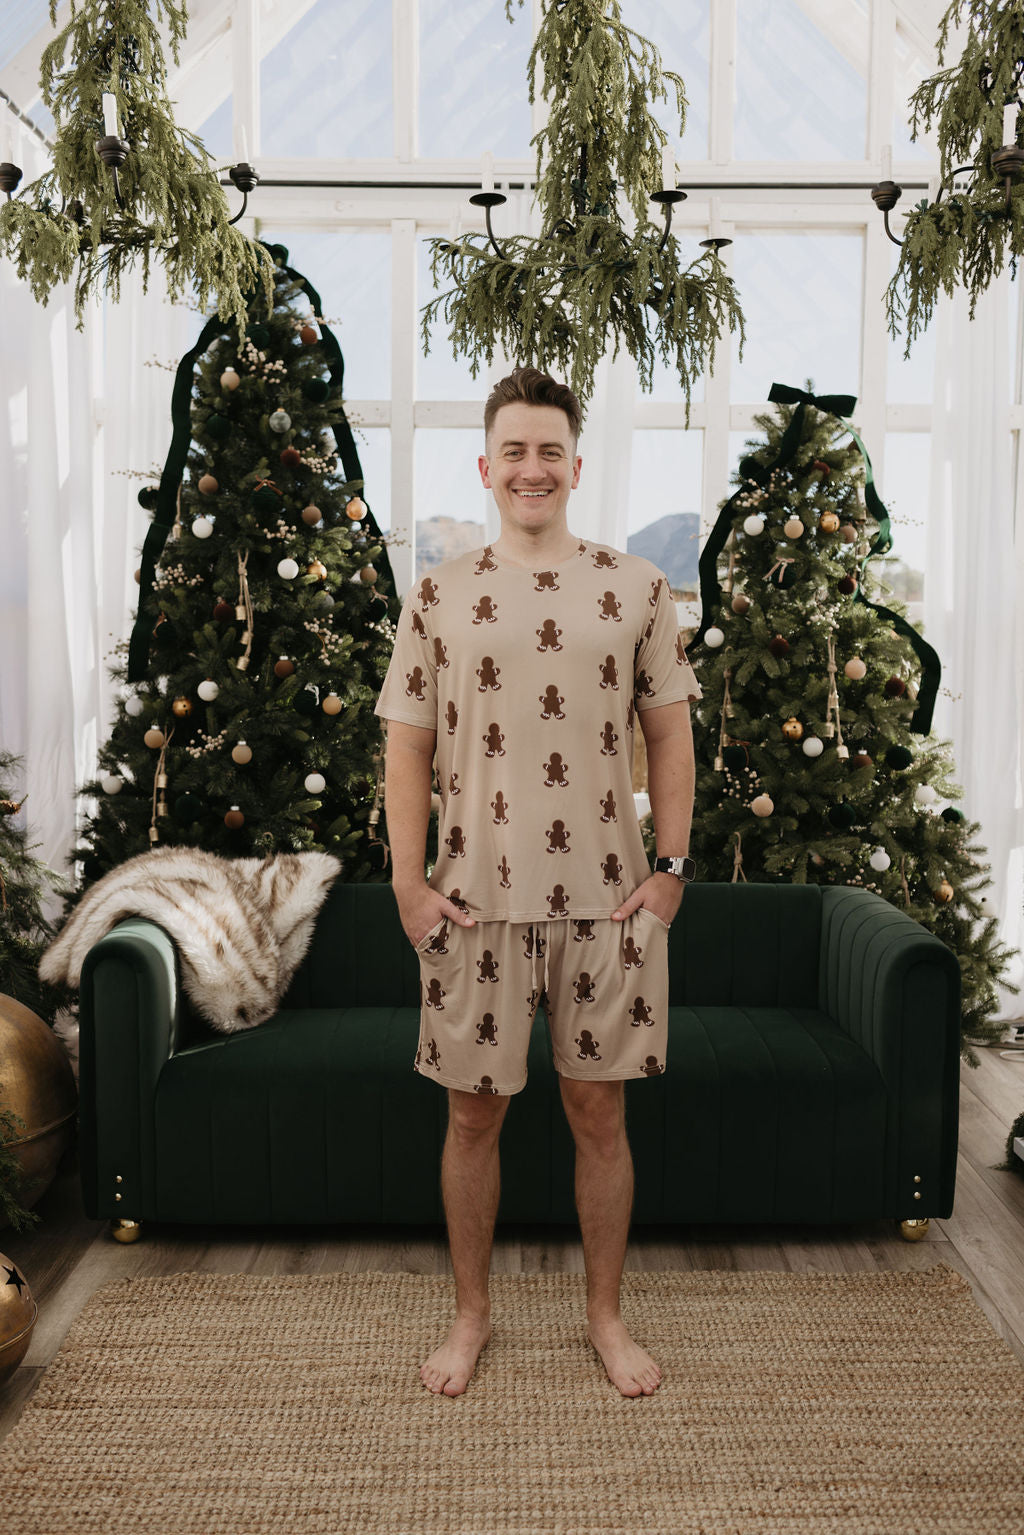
point(683, 868)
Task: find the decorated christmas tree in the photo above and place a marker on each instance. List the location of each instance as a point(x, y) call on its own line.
point(815, 762)
point(266, 614)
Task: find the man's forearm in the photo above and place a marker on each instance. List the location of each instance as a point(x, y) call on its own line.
point(408, 780)
point(670, 784)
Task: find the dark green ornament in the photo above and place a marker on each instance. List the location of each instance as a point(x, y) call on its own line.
point(187, 808)
point(952, 815)
point(218, 427)
point(323, 602)
point(267, 498)
point(316, 390)
point(899, 757)
point(147, 497)
point(258, 334)
point(842, 816)
point(735, 758)
point(306, 703)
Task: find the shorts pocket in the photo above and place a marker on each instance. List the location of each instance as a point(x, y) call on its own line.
point(654, 917)
point(432, 932)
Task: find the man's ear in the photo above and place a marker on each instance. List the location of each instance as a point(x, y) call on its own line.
point(484, 467)
point(576, 472)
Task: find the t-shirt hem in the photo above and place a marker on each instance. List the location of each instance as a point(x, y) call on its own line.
point(659, 698)
point(406, 719)
point(589, 912)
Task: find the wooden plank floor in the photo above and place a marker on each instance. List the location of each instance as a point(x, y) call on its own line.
point(67, 1258)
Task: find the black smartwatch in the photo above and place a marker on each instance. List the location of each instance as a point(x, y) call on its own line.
point(684, 869)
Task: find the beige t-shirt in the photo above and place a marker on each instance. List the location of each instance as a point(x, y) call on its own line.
point(532, 680)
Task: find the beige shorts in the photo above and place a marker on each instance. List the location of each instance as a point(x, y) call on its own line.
point(605, 990)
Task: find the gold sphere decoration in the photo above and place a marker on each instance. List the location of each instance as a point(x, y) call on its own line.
point(356, 509)
point(182, 707)
point(828, 522)
point(18, 1312)
point(792, 729)
point(945, 892)
point(318, 569)
point(39, 1087)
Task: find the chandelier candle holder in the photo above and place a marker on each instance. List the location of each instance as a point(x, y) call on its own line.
point(588, 284)
point(140, 191)
point(965, 230)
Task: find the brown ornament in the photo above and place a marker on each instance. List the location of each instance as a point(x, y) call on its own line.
point(368, 575)
point(356, 509)
point(895, 687)
point(154, 737)
point(828, 522)
point(290, 457)
point(223, 612)
point(311, 515)
point(823, 469)
point(182, 707)
point(847, 585)
point(779, 646)
point(318, 569)
point(309, 335)
point(208, 486)
point(861, 760)
point(792, 729)
point(945, 892)
point(331, 704)
point(283, 667)
point(234, 818)
point(848, 533)
point(740, 602)
point(138, 578)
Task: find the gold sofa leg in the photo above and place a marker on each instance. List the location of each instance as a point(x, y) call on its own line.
point(130, 1231)
point(913, 1231)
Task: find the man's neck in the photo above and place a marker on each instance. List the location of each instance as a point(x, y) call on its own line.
point(528, 551)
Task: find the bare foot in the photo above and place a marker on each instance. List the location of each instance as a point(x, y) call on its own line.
point(629, 1366)
point(449, 1367)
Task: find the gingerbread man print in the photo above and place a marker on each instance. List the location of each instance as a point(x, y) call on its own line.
point(631, 955)
point(608, 740)
point(488, 674)
point(528, 940)
point(453, 784)
point(435, 995)
point(485, 611)
point(609, 674)
point(557, 772)
point(485, 1086)
point(433, 1055)
point(651, 1067)
point(416, 684)
point(609, 604)
point(584, 988)
point(440, 653)
point(438, 944)
point(549, 635)
point(488, 967)
point(547, 581)
point(608, 808)
point(655, 589)
point(486, 562)
point(640, 1013)
point(558, 902)
point(605, 561)
point(551, 702)
point(642, 686)
point(456, 843)
point(428, 594)
point(499, 805)
point(418, 626)
point(588, 1046)
point(487, 1030)
point(493, 740)
point(504, 871)
point(558, 838)
point(451, 715)
point(612, 870)
point(584, 930)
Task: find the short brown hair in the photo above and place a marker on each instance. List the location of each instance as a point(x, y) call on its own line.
point(529, 386)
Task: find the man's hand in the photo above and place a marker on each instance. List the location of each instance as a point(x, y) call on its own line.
point(420, 908)
point(660, 893)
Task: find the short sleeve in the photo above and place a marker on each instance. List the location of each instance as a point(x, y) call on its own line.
point(409, 693)
point(662, 674)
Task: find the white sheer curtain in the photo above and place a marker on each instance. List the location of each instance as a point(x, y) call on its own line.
point(972, 600)
point(79, 408)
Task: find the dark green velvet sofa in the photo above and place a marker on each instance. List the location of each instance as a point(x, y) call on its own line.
point(812, 1076)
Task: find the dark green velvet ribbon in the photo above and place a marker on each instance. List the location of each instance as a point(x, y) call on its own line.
point(174, 466)
point(753, 470)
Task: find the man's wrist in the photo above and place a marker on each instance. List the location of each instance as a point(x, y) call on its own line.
point(680, 866)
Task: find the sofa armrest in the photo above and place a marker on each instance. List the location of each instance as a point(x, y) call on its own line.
point(131, 1023)
point(895, 988)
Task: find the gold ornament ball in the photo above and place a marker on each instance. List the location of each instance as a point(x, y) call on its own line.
point(855, 668)
point(318, 569)
point(234, 818)
point(828, 522)
point(793, 527)
point(283, 667)
point(39, 1087)
point(367, 575)
point(208, 486)
point(763, 805)
point(154, 737)
point(356, 509)
point(331, 704)
point(945, 892)
point(18, 1312)
point(182, 707)
point(740, 602)
point(311, 515)
point(241, 753)
point(792, 729)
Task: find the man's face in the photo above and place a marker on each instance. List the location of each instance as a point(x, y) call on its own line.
point(530, 465)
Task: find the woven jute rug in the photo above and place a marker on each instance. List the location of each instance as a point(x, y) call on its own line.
point(233, 1405)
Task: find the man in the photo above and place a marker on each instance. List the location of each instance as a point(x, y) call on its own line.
point(524, 666)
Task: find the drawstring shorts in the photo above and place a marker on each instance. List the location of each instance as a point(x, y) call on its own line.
point(605, 991)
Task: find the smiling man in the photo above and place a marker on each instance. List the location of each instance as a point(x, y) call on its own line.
point(520, 670)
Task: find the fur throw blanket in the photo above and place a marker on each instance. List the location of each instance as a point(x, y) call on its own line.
point(241, 925)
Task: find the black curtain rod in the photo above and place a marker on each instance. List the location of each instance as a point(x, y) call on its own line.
point(521, 186)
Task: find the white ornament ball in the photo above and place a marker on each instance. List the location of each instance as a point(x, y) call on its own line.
point(753, 525)
point(133, 706)
point(112, 783)
point(855, 668)
point(793, 528)
point(202, 527)
point(714, 637)
point(229, 379)
point(316, 783)
point(987, 909)
point(924, 794)
point(880, 860)
point(208, 691)
point(280, 421)
point(288, 569)
point(763, 805)
point(813, 746)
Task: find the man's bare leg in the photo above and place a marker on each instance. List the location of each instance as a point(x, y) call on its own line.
point(470, 1184)
point(604, 1200)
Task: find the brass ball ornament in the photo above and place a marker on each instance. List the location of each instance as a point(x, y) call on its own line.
point(317, 569)
point(945, 892)
point(828, 522)
point(39, 1088)
point(356, 509)
point(792, 729)
point(18, 1312)
point(182, 707)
